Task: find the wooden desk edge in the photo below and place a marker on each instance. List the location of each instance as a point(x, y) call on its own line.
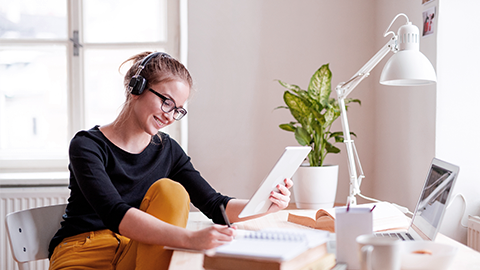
point(466, 258)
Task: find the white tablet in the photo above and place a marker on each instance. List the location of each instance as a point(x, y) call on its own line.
point(286, 166)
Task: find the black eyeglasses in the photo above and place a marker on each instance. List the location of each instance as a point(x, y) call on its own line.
point(169, 105)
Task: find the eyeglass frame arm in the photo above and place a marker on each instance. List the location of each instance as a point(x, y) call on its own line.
point(343, 90)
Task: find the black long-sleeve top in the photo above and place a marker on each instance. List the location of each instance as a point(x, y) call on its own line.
point(106, 181)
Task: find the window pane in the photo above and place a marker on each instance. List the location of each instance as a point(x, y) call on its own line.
point(46, 19)
point(124, 21)
point(104, 90)
point(33, 102)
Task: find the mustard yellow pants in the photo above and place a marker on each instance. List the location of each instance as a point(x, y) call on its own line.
point(167, 200)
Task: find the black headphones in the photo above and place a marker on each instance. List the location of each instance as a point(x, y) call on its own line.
point(138, 83)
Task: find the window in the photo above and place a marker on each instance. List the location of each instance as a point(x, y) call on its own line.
point(59, 72)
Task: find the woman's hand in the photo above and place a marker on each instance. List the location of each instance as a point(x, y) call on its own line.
point(280, 199)
point(211, 237)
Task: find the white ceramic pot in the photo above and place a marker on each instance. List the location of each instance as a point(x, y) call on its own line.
point(315, 187)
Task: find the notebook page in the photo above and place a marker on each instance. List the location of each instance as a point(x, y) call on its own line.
point(273, 244)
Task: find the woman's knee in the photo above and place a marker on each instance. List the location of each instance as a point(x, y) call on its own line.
point(168, 190)
point(167, 200)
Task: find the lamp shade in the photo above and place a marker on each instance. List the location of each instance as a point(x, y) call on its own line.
point(408, 68)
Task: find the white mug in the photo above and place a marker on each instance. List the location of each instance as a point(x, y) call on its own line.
point(379, 253)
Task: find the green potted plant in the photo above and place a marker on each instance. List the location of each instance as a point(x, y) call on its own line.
point(314, 112)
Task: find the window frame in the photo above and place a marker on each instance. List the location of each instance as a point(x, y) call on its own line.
point(75, 77)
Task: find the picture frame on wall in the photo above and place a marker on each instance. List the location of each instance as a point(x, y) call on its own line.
point(424, 2)
point(429, 19)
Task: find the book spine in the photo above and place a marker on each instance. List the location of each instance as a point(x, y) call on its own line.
point(324, 263)
point(315, 258)
point(228, 263)
point(327, 262)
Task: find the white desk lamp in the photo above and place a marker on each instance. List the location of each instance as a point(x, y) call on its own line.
point(407, 67)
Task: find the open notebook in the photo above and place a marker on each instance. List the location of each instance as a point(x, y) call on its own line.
point(272, 244)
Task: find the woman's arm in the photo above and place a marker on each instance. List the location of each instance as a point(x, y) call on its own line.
point(143, 227)
point(279, 199)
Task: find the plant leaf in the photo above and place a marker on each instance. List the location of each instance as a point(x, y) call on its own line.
point(335, 134)
point(350, 100)
point(281, 107)
point(297, 106)
point(302, 136)
point(339, 136)
point(292, 87)
point(287, 127)
point(320, 86)
point(332, 149)
point(330, 116)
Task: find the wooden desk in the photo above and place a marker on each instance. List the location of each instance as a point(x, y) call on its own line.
point(465, 259)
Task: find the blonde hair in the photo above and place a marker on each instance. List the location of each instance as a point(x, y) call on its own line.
point(160, 68)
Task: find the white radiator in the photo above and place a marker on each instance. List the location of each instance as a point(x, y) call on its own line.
point(21, 198)
point(473, 234)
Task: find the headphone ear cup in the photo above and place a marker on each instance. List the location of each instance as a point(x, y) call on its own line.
point(137, 85)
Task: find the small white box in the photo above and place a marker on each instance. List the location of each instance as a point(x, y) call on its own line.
point(348, 225)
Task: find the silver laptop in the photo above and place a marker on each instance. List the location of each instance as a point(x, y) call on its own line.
point(432, 203)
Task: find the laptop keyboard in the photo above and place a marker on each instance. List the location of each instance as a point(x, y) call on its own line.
point(401, 236)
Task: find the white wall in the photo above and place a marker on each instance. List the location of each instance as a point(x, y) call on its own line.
point(457, 105)
point(237, 49)
point(404, 119)
point(445, 114)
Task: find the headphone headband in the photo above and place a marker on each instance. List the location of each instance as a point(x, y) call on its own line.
point(138, 83)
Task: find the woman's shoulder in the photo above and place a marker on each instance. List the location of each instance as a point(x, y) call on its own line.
point(90, 136)
point(162, 135)
point(168, 143)
point(89, 133)
point(166, 140)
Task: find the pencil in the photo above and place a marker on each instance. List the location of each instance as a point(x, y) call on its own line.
point(222, 208)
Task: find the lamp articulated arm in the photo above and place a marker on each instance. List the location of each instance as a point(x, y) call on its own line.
point(407, 67)
point(343, 90)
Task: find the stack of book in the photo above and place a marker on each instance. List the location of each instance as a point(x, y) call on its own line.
point(273, 249)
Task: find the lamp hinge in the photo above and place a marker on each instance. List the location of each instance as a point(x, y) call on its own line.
point(76, 43)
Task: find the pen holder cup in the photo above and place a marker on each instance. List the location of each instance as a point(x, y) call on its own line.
point(351, 222)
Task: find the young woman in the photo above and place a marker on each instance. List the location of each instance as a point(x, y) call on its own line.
point(131, 185)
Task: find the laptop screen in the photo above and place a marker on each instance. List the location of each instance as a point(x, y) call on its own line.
point(433, 200)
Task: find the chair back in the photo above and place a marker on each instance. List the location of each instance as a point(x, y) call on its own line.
point(30, 232)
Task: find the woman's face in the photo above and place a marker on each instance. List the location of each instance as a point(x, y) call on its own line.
point(148, 108)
